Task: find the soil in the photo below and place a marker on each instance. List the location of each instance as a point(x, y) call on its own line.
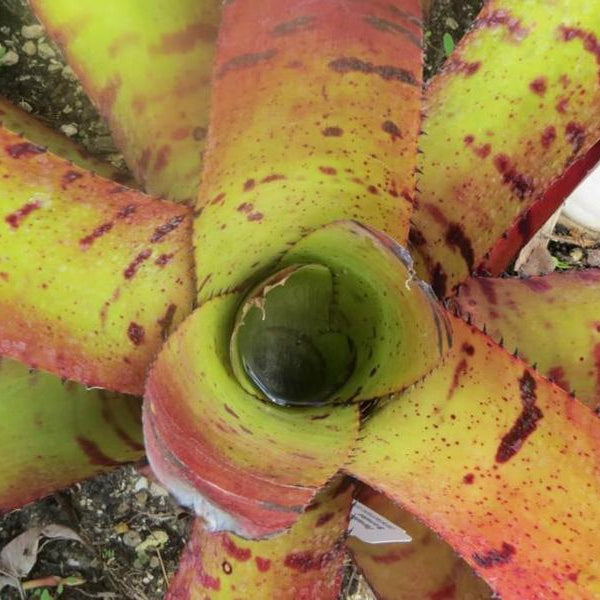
point(133, 531)
point(42, 83)
point(133, 534)
point(450, 19)
point(574, 248)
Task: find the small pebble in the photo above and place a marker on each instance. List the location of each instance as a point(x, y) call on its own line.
point(451, 23)
point(132, 538)
point(593, 257)
point(32, 32)
point(69, 130)
point(156, 539)
point(123, 506)
point(9, 59)
point(53, 67)
point(121, 528)
point(73, 562)
point(45, 50)
point(25, 106)
point(67, 73)
point(29, 48)
point(140, 484)
point(158, 490)
point(154, 562)
point(576, 254)
point(5, 30)
point(142, 498)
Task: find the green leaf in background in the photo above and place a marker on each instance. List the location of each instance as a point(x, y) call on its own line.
point(448, 43)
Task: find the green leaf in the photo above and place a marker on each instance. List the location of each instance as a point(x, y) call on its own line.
point(448, 43)
point(305, 562)
point(93, 275)
point(553, 321)
point(148, 72)
point(54, 433)
point(497, 461)
point(284, 159)
point(503, 119)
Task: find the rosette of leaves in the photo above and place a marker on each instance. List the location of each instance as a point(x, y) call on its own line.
point(327, 311)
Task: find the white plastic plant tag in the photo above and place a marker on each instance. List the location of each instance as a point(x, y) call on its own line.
point(371, 527)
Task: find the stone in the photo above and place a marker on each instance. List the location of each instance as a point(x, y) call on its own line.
point(158, 490)
point(45, 51)
point(29, 48)
point(576, 254)
point(132, 538)
point(67, 73)
point(141, 498)
point(69, 130)
point(32, 32)
point(9, 59)
point(140, 484)
point(593, 257)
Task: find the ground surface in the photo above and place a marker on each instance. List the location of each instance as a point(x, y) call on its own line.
point(133, 532)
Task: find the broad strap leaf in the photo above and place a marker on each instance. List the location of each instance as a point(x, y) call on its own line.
point(508, 246)
point(505, 117)
point(427, 567)
point(304, 563)
point(498, 461)
point(553, 321)
point(54, 433)
point(93, 276)
point(148, 71)
point(19, 121)
point(314, 118)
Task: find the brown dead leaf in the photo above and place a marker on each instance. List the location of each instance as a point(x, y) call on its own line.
point(19, 556)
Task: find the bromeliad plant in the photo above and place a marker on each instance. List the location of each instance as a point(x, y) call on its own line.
point(298, 349)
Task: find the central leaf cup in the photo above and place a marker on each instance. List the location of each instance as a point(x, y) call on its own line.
point(255, 402)
point(291, 340)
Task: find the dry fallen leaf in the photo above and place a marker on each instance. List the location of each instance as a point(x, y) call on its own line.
point(535, 258)
point(19, 556)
